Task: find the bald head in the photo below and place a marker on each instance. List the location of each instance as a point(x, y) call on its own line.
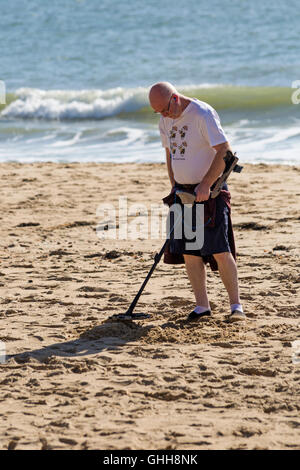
point(165, 99)
point(160, 93)
point(161, 90)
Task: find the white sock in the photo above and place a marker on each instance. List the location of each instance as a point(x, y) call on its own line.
point(200, 309)
point(236, 307)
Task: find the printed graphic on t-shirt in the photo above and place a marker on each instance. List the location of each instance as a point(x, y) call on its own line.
point(181, 148)
point(183, 131)
point(178, 149)
point(173, 132)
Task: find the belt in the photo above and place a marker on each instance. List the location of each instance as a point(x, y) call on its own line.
point(186, 186)
point(192, 186)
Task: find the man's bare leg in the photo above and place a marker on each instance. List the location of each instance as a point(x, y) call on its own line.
point(228, 273)
point(196, 272)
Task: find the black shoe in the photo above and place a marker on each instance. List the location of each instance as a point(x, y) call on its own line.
point(194, 316)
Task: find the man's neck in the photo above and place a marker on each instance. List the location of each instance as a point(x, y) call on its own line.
point(184, 102)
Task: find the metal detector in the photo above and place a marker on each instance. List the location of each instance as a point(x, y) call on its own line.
point(186, 198)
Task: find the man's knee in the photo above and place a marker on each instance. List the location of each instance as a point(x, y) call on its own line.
point(191, 259)
point(224, 256)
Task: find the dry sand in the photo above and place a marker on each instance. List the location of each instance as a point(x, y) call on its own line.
point(75, 380)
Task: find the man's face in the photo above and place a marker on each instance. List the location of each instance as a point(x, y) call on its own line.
point(168, 108)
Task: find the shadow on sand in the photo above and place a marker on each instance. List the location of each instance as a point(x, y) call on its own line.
point(111, 335)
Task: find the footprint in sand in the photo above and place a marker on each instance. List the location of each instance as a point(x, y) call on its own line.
point(92, 289)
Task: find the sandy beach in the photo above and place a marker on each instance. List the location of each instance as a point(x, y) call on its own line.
point(73, 379)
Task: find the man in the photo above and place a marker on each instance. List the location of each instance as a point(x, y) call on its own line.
point(195, 146)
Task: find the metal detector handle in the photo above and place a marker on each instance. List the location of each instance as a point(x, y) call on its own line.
point(185, 197)
point(230, 160)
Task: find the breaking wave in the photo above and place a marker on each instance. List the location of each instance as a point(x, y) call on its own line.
point(32, 103)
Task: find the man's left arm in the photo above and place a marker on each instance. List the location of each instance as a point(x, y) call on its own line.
point(216, 169)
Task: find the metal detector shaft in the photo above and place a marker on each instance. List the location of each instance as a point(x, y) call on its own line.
point(157, 259)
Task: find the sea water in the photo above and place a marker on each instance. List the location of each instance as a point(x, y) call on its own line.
point(77, 75)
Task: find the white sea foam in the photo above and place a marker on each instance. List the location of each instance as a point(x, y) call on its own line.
point(71, 104)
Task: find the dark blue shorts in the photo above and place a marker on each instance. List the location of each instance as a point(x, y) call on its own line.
point(215, 238)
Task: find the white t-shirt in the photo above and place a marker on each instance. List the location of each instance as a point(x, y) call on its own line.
point(190, 139)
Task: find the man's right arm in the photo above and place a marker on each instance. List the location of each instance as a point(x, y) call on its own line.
point(169, 166)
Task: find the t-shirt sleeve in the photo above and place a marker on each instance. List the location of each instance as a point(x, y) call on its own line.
point(211, 128)
point(163, 134)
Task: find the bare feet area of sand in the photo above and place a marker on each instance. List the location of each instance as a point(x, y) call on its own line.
point(74, 379)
